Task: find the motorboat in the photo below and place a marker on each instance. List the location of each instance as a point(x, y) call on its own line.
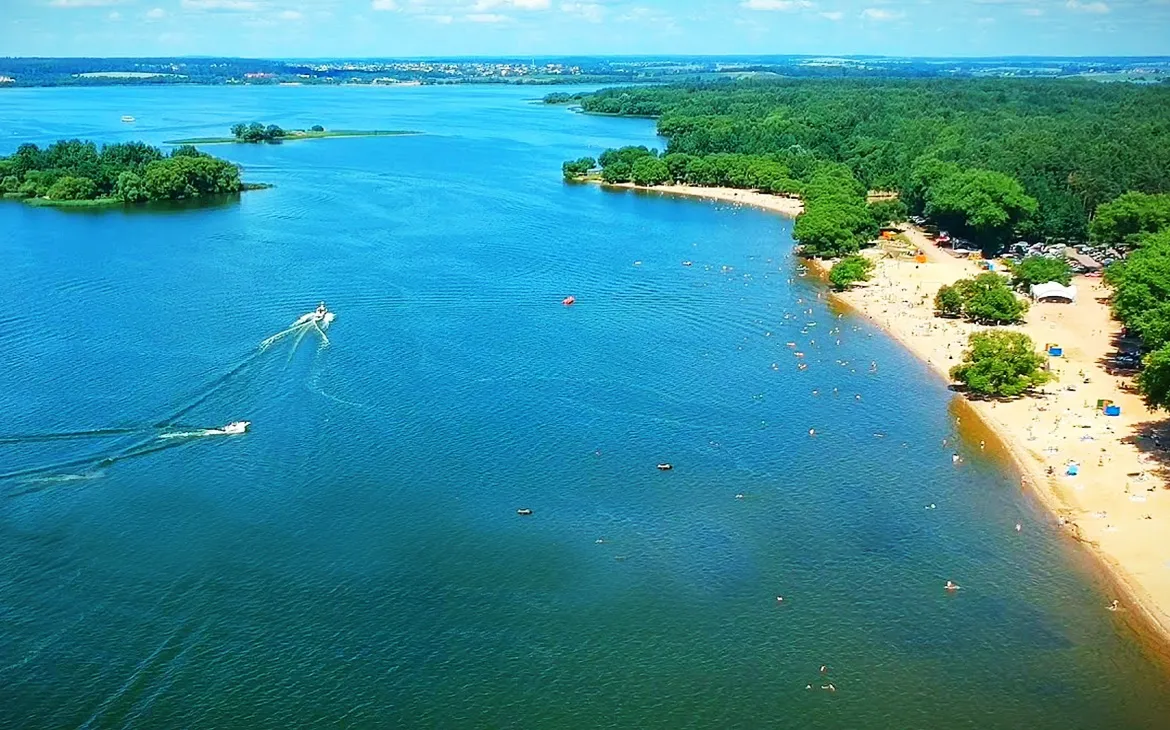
point(235, 427)
point(128, 119)
point(321, 316)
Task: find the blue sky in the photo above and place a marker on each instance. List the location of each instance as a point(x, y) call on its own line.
point(314, 28)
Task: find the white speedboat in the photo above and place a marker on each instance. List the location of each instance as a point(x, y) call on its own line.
point(321, 316)
point(235, 427)
point(128, 119)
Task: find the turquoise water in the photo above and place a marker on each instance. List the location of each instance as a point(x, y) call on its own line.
point(357, 559)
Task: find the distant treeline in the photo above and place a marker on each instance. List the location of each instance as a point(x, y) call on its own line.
point(129, 172)
point(257, 132)
point(988, 158)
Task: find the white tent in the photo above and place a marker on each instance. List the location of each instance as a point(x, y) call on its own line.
point(1053, 290)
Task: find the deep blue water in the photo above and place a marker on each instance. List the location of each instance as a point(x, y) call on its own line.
point(357, 559)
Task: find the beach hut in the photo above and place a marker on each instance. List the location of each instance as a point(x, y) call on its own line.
point(1053, 291)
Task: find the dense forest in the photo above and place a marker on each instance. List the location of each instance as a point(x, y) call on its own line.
point(130, 172)
point(991, 158)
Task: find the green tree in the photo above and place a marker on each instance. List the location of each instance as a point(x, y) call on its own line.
point(987, 204)
point(273, 133)
point(1041, 270)
point(998, 363)
point(677, 164)
point(989, 300)
point(850, 270)
point(187, 150)
point(573, 169)
point(318, 128)
point(130, 188)
point(949, 301)
point(1154, 379)
point(1141, 290)
point(649, 171)
point(10, 184)
point(72, 188)
point(884, 212)
point(617, 171)
point(239, 130)
point(824, 231)
point(1129, 217)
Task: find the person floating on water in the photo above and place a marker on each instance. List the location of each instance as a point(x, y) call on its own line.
point(952, 586)
point(321, 310)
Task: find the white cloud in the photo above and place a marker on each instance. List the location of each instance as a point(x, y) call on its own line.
point(290, 15)
point(833, 15)
point(220, 4)
point(1098, 8)
point(591, 12)
point(383, 5)
point(156, 14)
point(84, 3)
point(486, 18)
point(880, 14)
point(1032, 12)
point(114, 15)
point(781, 5)
point(482, 6)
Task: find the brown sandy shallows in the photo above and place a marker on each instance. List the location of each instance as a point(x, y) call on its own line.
point(1118, 505)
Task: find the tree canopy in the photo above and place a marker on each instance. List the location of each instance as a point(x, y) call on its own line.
point(257, 132)
point(999, 363)
point(1009, 155)
point(850, 270)
point(1129, 217)
point(986, 299)
point(1033, 270)
point(129, 172)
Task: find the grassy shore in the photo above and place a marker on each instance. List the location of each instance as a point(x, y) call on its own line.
point(297, 135)
point(47, 203)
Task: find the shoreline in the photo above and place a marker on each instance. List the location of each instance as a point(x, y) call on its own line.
point(1104, 507)
point(339, 134)
point(789, 207)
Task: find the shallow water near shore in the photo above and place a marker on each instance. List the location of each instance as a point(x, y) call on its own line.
point(356, 558)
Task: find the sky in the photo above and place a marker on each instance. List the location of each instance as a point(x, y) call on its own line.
point(399, 28)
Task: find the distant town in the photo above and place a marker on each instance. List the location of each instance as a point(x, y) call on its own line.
point(23, 72)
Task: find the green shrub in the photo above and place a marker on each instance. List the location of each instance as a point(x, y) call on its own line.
point(1000, 364)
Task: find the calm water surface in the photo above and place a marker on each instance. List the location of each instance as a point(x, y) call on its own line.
point(357, 559)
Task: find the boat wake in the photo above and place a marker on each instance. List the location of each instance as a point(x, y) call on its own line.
point(161, 434)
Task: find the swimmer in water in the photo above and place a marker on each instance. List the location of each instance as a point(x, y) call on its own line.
point(1113, 606)
point(952, 586)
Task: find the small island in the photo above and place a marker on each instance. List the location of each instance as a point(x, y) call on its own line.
point(257, 133)
point(76, 173)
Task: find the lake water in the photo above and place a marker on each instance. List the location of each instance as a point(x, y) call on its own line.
point(356, 558)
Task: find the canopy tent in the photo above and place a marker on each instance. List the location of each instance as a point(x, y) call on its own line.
point(1053, 290)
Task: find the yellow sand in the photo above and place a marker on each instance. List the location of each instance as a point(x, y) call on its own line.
point(786, 206)
point(1106, 506)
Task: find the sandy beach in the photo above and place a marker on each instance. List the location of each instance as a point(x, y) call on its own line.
point(791, 207)
point(1117, 505)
